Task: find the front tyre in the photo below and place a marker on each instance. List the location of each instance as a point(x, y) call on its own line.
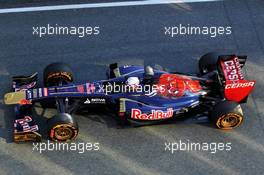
point(227, 115)
point(57, 74)
point(62, 128)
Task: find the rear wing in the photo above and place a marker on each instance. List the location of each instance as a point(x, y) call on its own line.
point(236, 88)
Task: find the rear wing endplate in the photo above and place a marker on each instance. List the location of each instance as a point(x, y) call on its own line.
point(236, 88)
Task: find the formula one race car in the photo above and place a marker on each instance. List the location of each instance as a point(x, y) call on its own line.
point(136, 94)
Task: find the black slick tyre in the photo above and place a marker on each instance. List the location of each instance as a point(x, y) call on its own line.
point(57, 74)
point(227, 115)
point(62, 128)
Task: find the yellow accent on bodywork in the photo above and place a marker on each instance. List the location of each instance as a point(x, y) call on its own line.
point(122, 106)
point(14, 97)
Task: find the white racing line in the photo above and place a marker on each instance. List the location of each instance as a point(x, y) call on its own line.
point(98, 5)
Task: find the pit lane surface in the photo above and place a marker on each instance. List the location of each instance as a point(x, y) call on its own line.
point(135, 35)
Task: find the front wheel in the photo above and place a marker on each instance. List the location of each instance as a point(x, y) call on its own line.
point(62, 128)
point(57, 74)
point(227, 115)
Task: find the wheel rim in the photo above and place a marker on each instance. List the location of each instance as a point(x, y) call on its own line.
point(229, 121)
point(63, 132)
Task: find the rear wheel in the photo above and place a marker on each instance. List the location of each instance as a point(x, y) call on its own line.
point(62, 128)
point(208, 62)
point(227, 115)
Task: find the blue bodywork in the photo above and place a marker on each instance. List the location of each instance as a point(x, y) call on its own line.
point(138, 106)
point(130, 100)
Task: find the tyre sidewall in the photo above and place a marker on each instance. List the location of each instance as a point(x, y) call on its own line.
point(224, 108)
point(55, 72)
point(62, 119)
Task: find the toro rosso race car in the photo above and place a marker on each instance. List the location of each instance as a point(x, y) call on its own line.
point(136, 94)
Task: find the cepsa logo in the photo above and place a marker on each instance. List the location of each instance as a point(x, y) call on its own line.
point(240, 85)
point(233, 70)
point(154, 115)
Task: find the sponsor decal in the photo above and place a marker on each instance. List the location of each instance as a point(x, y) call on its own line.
point(80, 88)
point(239, 90)
point(240, 85)
point(24, 122)
point(45, 92)
point(232, 69)
point(87, 101)
point(35, 93)
point(236, 88)
point(90, 88)
point(154, 115)
point(40, 92)
point(29, 94)
point(95, 101)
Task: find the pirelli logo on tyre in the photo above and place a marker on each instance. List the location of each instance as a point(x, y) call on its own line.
point(60, 74)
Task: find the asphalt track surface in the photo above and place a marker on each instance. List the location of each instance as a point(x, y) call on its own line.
point(136, 35)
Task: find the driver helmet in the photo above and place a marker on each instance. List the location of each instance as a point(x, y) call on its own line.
point(133, 81)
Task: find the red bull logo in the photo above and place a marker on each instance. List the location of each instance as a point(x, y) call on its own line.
point(154, 115)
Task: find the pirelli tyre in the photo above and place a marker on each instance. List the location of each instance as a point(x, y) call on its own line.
point(57, 74)
point(208, 62)
point(227, 115)
point(62, 128)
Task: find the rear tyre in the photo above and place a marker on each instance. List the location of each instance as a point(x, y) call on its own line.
point(227, 115)
point(56, 74)
point(62, 128)
point(208, 62)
